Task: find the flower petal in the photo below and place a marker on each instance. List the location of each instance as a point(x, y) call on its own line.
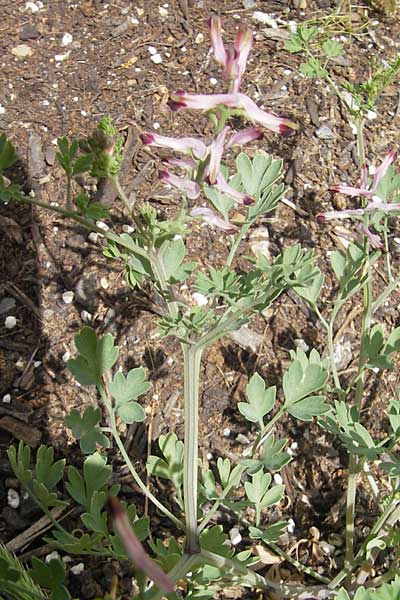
point(382, 169)
point(214, 29)
point(135, 550)
point(216, 152)
point(185, 163)
point(223, 186)
point(186, 145)
point(211, 217)
point(253, 112)
point(242, 45)
point(351, 191)
point(182, 99)
point(243, 137)
point(189, 187)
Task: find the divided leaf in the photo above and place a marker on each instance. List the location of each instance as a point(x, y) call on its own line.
point(125, 390)
point(85, 428)
point(96, 356)
point(260, 400)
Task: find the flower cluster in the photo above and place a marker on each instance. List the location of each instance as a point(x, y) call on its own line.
point(201, 161)
point(366, 190)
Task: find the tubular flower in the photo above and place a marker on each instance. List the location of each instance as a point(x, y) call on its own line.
point(214, 29)
point(223, 186)
point(243, 44)
point(246, 105)
point(244, 137)
point(135, 550)
point(186, 145)
point(363, 190)
point(216, 152)
point(191, 188)
point(211, 217)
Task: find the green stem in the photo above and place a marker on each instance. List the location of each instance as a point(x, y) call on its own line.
point(235, 245)
point(262, 436)
point(385, 294)
point(129, 463)
point(184, 565)
point(329, 326)
point(69, 193)
point(159, 272)
point(387, 253)
point(121, 193)
point(192, 359)
point(215, 506)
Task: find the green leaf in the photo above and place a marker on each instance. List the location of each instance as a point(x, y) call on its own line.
point(85, 429)
point(96, 519)
point(47, 472)
point(332, 48)
point(394, 416)
point(83, 164)
point(313, 68)
point(311, 292)
point(20, 462)
point(50, 576)
point(171, 467)
point(213, 540)
point(294, 44)
point(304, 376)
point(96, 474)
point(260, 400)
point(269, 534)
point(172, 253)
point(96, 356)
point(272, 458)
point(309, 407)
point(245, 168)
point(393, 342)
point(125, 390)
point(8, 155)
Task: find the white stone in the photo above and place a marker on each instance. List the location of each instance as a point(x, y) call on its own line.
point(152, 50)
point(163, 11)
point(199, 38)
point(68, 297)
point(32, 7)
point(199, 299)
point(156, 59)
point(22, 51)
point(156, 125)
point(127, 228)
point(234, 536)
point(37, 364)
point(265, 19)
point(209, 456)
point(102, 225)
point(226, 432)
point(86, 316)
point(66, 356)
point(10, 322)
point(52, 556)
point(2, 110)
point(213, 81)
point(104, 283)
point(6, 399)
point(371, 115)
point(291, 525)
point(133, 21)
point(278, 479)
point(62, 57)
point(67, 39)
point(93, 237)
point(78, 569)
point(13, 498)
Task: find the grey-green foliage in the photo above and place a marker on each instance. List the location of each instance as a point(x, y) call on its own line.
point(15, 581)
point(170, 465)
point(388, 591)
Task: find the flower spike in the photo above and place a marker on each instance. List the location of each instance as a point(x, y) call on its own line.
point(214, 29)
point(216, 152)
point(186, 145)
point(211, 217)
point(189, 187)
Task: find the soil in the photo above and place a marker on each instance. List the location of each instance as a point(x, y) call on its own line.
point(106, 69)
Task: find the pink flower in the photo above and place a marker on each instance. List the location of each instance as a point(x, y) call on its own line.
point(210, 217)
point(372, 207)
point(189, 187)
point(135, 550)
point(223, 186)
point(214, 29)
point(216, 152)
point(238, 101)
point(186, 145)
point(242, 46)
point(364, 190)
point(186, 163)
point(244, 137)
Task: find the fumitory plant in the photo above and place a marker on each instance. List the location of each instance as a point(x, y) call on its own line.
point(230, 194)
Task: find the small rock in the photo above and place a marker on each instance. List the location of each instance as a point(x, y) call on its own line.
point(102, 225)
point(259, 242)
point(152, 50)
point(199, 39)
point(50, 155)
point(34, 8)
point(249, 3)
point(67, 39)
point(156, 59)
point(247, 339)
point(234, 536)
point(163, 11)
point(199, 299)
point(324, 133)
point(28, 32)
point(266, 19)
point(68, 297)
point(78, 569)
point(13, 498)
point(52, 556)
point(22, 51)
point(226, 432)
point(6, 399)
point(242, 439)
point(10, 322)
point(213, 81)
point(127, 228)
point(86, 291)
point(278, 479)
point(93, 237)
point(291, 525)
point(301, 344)
point(104, 283)
point(342, 354)
point(86, 316)
point(62, 57)
point(66, 356)
point(2, 110)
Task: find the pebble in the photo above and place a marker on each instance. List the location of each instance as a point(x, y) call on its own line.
point(163, 12)
point(156, 59)
point(2, 110)
point(28, 32)
point(66, 39)
point(66, 356)
point(213, 81)
point(152, 50)
point(78, 569)
point(86, 316)
point(301, 344)
point(199, 299)
point(6, 399)
point(62, 57)
point(199, 39)
point(104, 283)
point(291, 525)
point(259, 242)
point(10, 322)
point(249, 4)
point(34, 8)
point(278, 479)
point(324, 133)
point(242, 439)
point(102, 225)
point(93, 237)
point(234, 536)
point(127, 228)
point(265, 18)
point(68, 297)
point(22, 51)
point(226, 432)
point(133, 21)
point(13, 498)
point(247, 339)
point(342, 354)
point(52, 556)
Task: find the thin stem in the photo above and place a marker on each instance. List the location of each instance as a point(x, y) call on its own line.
point(350, 510)
point(262, 436)
point(387, 253)
point(385, 294)
point(159, 272)
point(69, 193)
point(184, 565)
point(192, 359)
point(215, 506)
point(235, 245)
point(129, 463)
point(121, 193)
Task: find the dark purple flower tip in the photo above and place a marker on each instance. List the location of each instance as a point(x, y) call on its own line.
point(286, 130)
point(174, 102)
point(147, 137)
point(321, 218)
point(163, 175)
point(247, 200)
